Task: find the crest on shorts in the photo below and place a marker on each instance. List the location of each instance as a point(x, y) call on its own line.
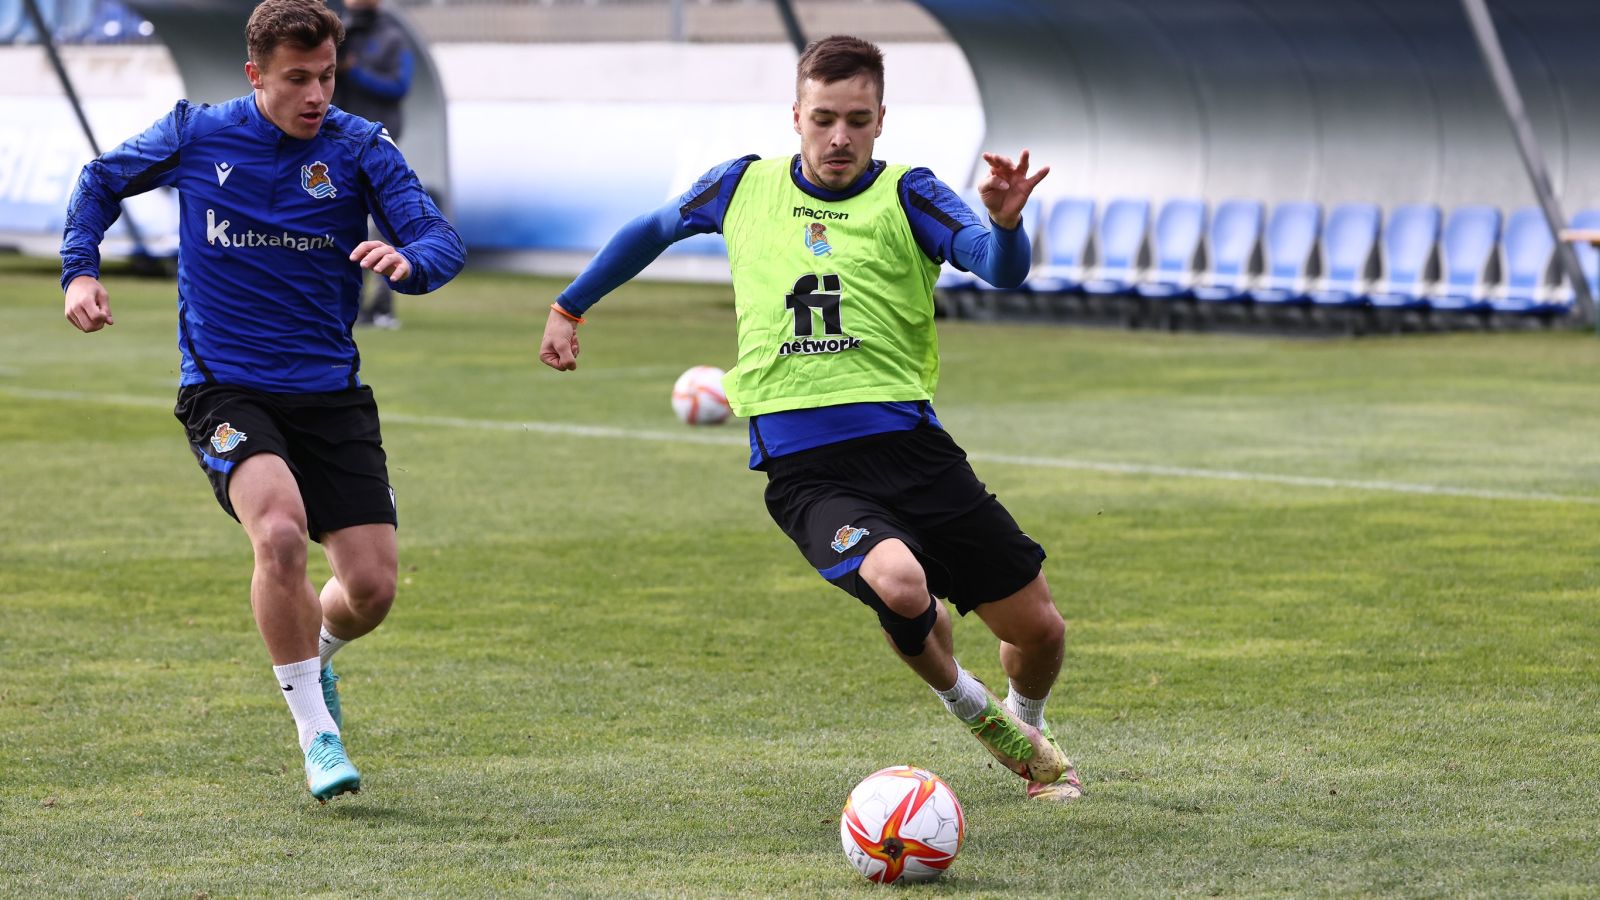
point(817, 239)
point(314, 178)
point(848, 537)
point(226, 437)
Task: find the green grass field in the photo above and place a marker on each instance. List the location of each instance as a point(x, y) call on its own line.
point(1333, 606)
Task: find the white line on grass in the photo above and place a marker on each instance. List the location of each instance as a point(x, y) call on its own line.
point(722, 440)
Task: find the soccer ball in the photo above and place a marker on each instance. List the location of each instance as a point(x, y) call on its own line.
point(901, 824)
point(698, 399)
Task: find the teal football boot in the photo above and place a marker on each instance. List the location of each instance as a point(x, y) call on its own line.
point(328, 770)
point(330, 694)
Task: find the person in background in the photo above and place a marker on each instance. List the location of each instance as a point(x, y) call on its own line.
point(375, 65)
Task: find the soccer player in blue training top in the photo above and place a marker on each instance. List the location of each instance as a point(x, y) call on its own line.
point(834, 256)
point(275, 189)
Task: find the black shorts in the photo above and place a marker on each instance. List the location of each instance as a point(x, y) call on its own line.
point(838, 501)
point(330, 442)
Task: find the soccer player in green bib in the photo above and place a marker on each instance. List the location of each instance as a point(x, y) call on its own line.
point(834, 256)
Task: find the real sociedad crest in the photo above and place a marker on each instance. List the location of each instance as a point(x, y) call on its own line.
point(817, 239)
point(848, 537)
point(226, 437)
point(314, 178)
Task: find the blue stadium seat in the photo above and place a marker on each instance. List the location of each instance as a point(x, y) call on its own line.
point(1180, 228)
point(1067, 237)
point(1349, 255)
point(70, 21)
point(1528, 261)
point(114, 23)
point(1408, 264)
point(1467, 259)
point(1588, 256)
point(1235, 233)
point(1121, 239)
point(1290, 247)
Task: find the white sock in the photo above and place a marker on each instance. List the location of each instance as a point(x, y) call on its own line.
point(301, 688)
point(966, 698)
point(1026, 708)
point(328, 645)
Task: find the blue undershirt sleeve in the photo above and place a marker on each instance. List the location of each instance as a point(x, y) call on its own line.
point(634, 246)
point(699, 210)
point(935, 213)
point(949, 230)
point(1000, 256)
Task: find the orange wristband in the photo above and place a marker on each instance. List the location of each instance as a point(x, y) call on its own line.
point(576, 320)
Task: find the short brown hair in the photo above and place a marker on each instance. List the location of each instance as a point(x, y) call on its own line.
point(839, 58)
point(303, 23)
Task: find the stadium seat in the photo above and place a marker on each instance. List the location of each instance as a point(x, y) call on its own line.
point(1349, 254)
point(1121, 238)
point(1528, 259)
point(1068, 235)
point(1289, 252)
point(114, 23)
point(1408, 263)
point(1468, 262)
point(1588, 256)
point(1235, 233)
point(1176, 242)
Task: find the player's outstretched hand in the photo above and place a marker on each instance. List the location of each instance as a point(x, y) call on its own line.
point(88, 304)
point(1005, 192)
point(559, 347)
point(383, 259)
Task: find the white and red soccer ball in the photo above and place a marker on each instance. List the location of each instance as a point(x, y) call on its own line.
point(698, 399)
point(902, 824)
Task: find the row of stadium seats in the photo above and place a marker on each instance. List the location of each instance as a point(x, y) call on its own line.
point(75, 22)
point(1472, 259)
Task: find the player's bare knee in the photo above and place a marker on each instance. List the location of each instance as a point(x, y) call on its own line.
point(901, 586)
point(280, 544)
point(370, 593)
point(1050, 630)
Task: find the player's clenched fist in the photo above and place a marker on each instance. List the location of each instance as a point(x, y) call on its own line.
point(88, 305)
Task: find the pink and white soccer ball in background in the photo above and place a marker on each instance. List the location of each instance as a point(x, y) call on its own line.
point(698, 399)
point(902, 824)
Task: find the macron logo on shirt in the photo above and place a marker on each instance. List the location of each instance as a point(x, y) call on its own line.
point(223, 171)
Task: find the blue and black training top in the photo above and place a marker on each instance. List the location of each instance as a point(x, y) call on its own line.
point(267, 295)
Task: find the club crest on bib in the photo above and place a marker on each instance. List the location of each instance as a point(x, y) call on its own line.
point(314, 178)
point(847, 537)
point(817, 239)
point(226, 437)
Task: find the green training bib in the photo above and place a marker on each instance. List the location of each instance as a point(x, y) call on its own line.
point(834, 298)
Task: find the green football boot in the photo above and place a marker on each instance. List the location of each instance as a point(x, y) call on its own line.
point(1017, 745)
point(1067, 787)
point(328, 770)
